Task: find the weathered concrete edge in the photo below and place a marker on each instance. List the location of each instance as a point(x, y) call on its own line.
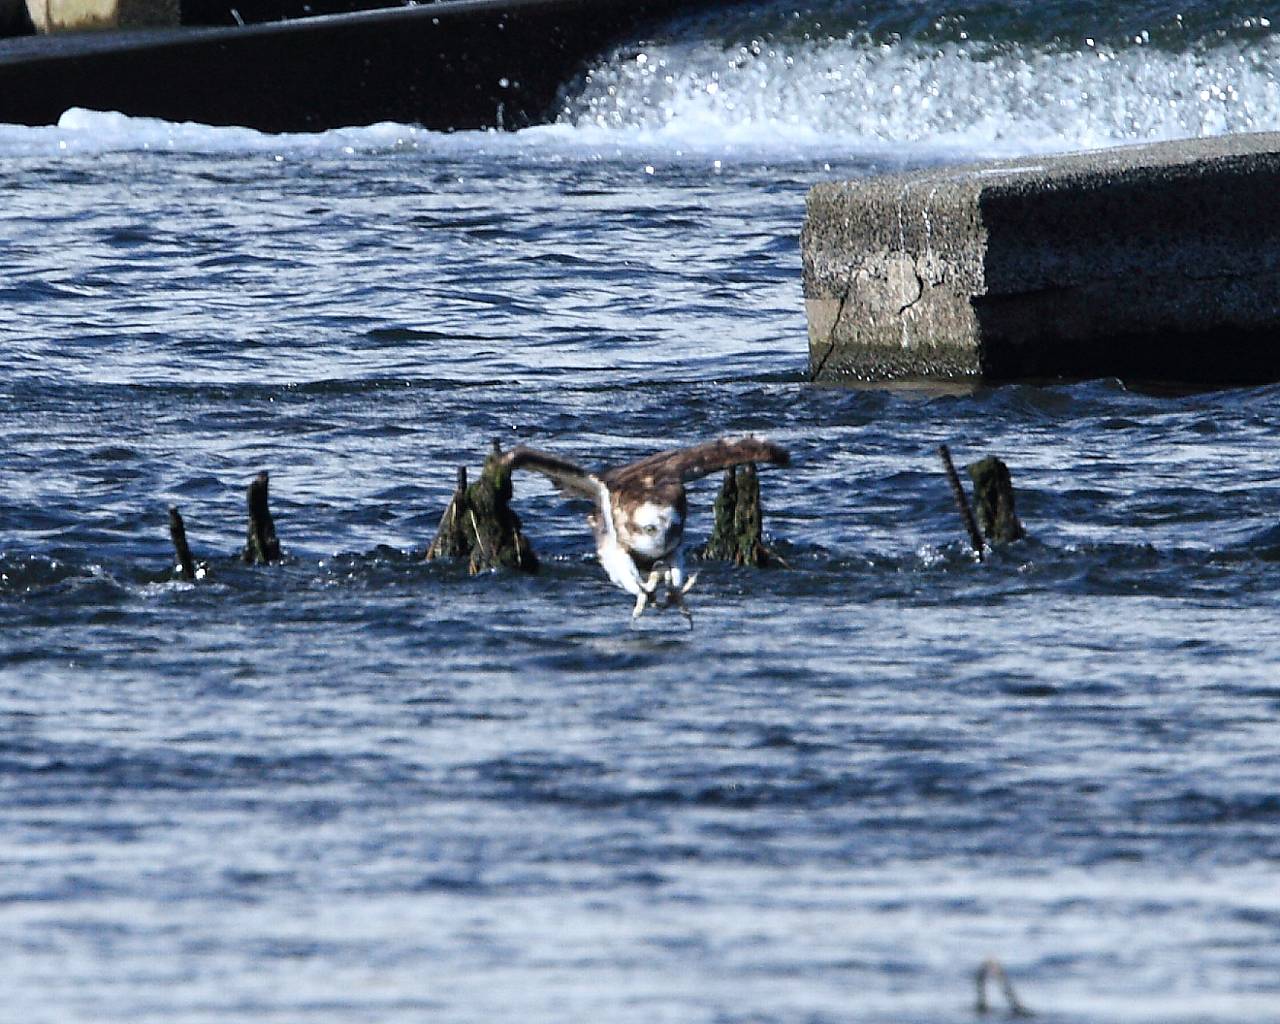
point(932, 274)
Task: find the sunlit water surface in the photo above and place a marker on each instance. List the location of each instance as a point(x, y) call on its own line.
point(362, 787)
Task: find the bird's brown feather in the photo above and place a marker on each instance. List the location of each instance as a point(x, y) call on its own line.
point(571, 478)
point(680, 465)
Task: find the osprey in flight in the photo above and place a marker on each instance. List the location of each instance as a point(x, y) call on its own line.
point(640, 508)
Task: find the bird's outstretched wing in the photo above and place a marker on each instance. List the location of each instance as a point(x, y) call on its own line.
point(571, 478)
point(685, 464)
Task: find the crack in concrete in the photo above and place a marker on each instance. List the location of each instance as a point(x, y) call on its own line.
point(919, 289)
point(831, 336)
point(844, 300)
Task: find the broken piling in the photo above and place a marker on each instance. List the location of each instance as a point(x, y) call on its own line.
point(261, 546)
point(480, 524)
point(737, 535)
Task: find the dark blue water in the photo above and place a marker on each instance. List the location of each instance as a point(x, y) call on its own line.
point(363, 787)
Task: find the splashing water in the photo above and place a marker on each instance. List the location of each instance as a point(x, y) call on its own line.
point(772, 78)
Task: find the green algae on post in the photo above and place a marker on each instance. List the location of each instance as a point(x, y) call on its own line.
point(480, 524)
point(451, 536)
point(993, 496)
point(738, 532)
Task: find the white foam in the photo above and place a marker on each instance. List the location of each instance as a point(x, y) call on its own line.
point(81, 131)
point(849, 95)
point(87, 132)
point(806, 100)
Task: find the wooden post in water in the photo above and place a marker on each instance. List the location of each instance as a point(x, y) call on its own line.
point(961, 500)
point(261, 547)
point(720, 544)
point(451, 536)
point(993, 495)
point(737, 535)
point(480, 524)
point(992, 968)
point(178, 534)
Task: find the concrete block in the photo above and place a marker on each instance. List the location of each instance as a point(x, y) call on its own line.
point(89, 15)
point(1158, 262)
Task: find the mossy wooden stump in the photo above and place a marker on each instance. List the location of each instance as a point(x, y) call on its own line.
point(480, 524)
point(738, 533)
point(993, 496)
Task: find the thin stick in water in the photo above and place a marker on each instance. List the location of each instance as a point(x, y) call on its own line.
point(962, 501)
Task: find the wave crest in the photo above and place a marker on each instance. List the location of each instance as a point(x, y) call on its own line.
point(858, 94)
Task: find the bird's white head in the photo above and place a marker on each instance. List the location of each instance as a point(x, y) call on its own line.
point(653, 529)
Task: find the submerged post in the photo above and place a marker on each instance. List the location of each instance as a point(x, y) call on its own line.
point(451, 536)
point(720, 544)
point(738, 532)
point(961, 500)
point(992, 969)
point(480, 524)
point(178, 534)
point(993, 494)
point(261, 546)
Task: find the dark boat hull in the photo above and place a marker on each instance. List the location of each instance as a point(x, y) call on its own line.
point(453, 65)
